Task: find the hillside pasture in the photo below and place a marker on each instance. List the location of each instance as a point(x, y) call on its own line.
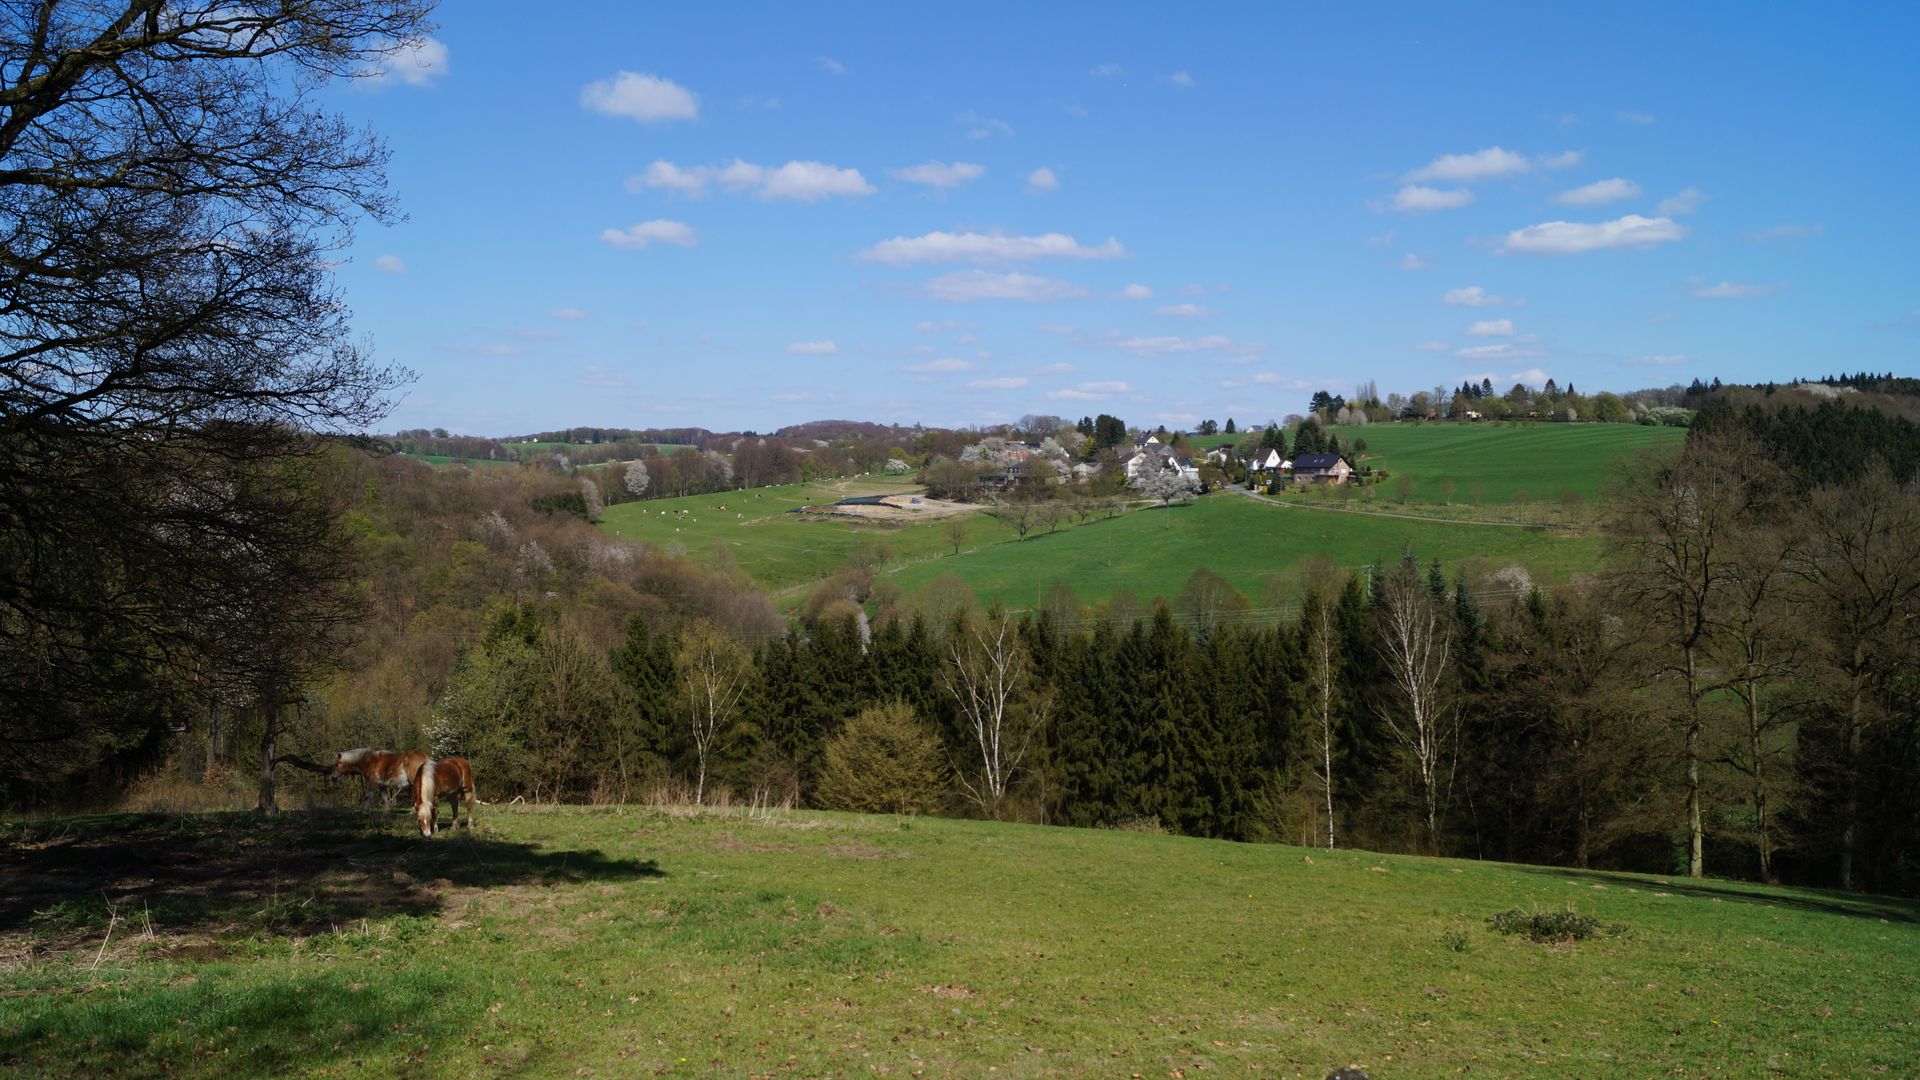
point(1151, 552)
point(628, 941)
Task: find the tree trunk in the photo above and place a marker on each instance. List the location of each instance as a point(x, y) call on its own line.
point(1850, 808)
point(213, 737)
point(269, 734)
point(1696, 833)
point(1757, 747)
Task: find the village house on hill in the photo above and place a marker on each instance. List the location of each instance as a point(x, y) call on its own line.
point(1322, 469)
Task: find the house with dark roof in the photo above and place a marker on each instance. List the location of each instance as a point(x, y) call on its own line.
point(1322, 469)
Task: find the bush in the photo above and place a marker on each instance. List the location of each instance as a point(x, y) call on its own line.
point(1552, 926)
point(885, 761)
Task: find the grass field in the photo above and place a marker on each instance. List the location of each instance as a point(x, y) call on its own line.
point(1501, 464)
point(1151, 552)
point(528, 449)
point(631, 942)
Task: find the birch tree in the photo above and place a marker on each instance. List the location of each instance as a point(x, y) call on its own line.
point(986, 670)
point(1416, 639)
point(714, 673)
point(1321, 639)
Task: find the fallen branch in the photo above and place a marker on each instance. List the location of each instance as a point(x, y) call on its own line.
point(300, 763)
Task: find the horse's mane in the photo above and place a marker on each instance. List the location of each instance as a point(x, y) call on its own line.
point(351, 757)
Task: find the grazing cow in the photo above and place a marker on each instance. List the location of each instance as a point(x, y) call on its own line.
point(446, 778)
point(385, 771)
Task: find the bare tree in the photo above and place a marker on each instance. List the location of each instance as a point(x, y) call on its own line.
point(590, 499)
point(956, 531)
point(1862, 566)
point(1416, 638)
point(986, 669)
point(1322, 687)
point(1020, 516)
point(1756, 651)
point(1677, 557)
point(174, 197)
point(714, 674)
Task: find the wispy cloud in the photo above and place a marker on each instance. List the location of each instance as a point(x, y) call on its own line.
point(1598, 192)
point(1471, 296)
point(411, 63)
point(1686, 202)
point(829, 64)
point(1107, 71)
point(944, 247)
point(803, 181)
point(1480, 165)
point(1432, 346)
point(982, 127)
point(1670, 360)
point(1185, 311)
point(968, 285)
point(1786, 232)
point(1136, 291)
point(646, 99)
point(570, 314)
point(1491, 328)
point(1410, 261)
point(594, 376)
point(946, 365)
point(1420, 199)
point(648, 233)
point(1181, 79)
point(1736, 290)
point(1042, 179)
point(939, 174)
point(1005, 382)
point(390, 264)
point(1628, 117)
point(814, 348)
point(1575, 238)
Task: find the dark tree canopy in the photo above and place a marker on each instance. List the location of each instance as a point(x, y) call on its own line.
point(170, 339)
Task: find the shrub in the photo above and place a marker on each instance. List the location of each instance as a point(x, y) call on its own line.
point(1552, 926)
point(885, 761)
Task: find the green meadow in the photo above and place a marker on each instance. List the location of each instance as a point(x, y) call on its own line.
point(1493, 464)
point(646, 942)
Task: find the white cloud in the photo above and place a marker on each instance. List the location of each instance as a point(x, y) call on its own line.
point(643, 98)
point(1468, 168)
point(1491, 328)
point(828, 63)
point(593, 376)
point(1471, 296)
point(939, 174)
point(1266, 378)
point(793, 395)
point(805, 181)
point(1042, 179)
point(1185, 311)
point(1686, 202)
point(944, 366)
point(1494, 352)
point(1565, 159)
point(1432, 346)
point(390, 264)
point(982, 127)
point(1736, 290)
point(1636, 118)
point(647, 233)
point(1007, 382)
point(1197, 289)
point(1057, 328)
point(814, 348)
point(943, 247)
point(1532, 376)
point(1574, 238)
point(1107, 71)
point(1600, 191)
point(1670, 360)
point(967, 285)
point(1169, 344)
point(415, 63)
point(1419, 199)
point(1136, 291)
point(1091, 391)
point(569, 313)
point(1061, 368)
point(1181, 79)
point(1381, 240)
point(1410, 261)
point(1075, 395)
point(930, 326)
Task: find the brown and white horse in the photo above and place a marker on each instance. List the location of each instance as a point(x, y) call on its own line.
point(445, 778)
point(386, 771)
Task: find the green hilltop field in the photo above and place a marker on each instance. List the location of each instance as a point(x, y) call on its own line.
point(628, 941)
point(1151, 551)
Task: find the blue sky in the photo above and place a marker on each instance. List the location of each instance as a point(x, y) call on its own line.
point(744, 217)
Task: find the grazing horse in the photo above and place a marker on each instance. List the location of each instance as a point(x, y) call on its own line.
point(385, 771)
point(446, 778)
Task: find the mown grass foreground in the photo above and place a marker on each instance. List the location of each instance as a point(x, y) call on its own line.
point(623, 942)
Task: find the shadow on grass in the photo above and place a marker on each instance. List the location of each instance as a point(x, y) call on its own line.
point(1852, 905)
point(293, 875)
